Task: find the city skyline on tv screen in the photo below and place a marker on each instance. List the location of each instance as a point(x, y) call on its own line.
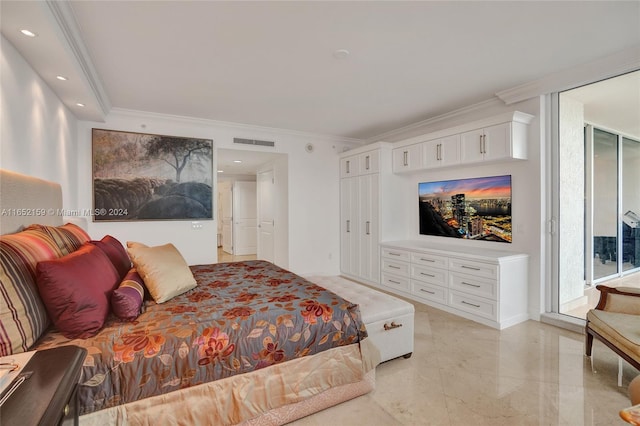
point(475, 208)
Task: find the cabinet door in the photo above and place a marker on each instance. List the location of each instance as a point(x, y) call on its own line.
point(349, 262)
point(368, 227)
point(471, 146)
point(349, 166)
point(369, 162)
point(431, 151)
point(497, 142)
point(407, 158)
point(450, 150)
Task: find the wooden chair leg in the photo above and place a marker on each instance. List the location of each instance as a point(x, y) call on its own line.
point(588, 343)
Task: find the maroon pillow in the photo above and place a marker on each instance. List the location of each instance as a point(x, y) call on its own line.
point(116, 253)
point(126, 300)
point(76, 289)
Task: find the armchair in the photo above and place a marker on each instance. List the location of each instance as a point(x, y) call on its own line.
point(616, 322)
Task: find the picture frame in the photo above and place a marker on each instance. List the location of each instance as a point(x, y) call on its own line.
point(147, 177)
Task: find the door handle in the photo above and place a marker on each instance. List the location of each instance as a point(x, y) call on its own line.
point(348, 226)
point(366, 162)
point(348, 171)
point(406, 158)
point(367, 228)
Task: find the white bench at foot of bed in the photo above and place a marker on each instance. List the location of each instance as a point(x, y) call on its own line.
point(389, 320)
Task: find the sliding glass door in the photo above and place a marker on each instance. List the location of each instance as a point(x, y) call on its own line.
point(596, 212)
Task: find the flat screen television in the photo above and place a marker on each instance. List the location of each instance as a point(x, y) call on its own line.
point(474, 209)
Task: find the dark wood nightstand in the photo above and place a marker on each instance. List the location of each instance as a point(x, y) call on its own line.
point(48, 397)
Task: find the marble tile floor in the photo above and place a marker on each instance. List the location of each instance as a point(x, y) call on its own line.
point(464, 373)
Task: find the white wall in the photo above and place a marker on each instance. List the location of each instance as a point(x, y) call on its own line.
point(527, 200)
point(311, 202)
point(37, 131)
point(571, 221)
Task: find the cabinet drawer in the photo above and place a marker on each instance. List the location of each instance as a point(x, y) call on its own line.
point(469, 284)
point(396, 282)
point(431, 260)
point(429, 275)
point(478, 269)
point(429, 292)
point(473, 304)
point(395, 267)
point(396, 254)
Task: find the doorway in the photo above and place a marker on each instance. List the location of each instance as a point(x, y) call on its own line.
point(248, 206)
point(597, 199)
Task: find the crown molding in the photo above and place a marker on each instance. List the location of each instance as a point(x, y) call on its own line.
point(609, 66)
point(411, 129)
point(67, 24)
point(249, 128)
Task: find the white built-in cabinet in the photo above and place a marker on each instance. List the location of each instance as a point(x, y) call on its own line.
point(498, 138)
point(367, 188)
point(407, 159)
point(441, 152)
point(483, 285)
point(359, 219)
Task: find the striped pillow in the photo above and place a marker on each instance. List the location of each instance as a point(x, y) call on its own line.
point(68, 237)
point(23, 317)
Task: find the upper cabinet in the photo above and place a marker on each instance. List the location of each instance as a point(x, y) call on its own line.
point(407, 158)
point(495, 139)
point(360, 164)
point(441, 152)
point(492, 143)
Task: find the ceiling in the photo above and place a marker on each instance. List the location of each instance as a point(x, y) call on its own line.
point(275, 64)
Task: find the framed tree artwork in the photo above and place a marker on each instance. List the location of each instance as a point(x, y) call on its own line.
point(139, 176)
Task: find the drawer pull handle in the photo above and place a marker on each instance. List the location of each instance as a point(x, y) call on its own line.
point(470, 304)
point(427, 291)
point(470, 267)
point(393, 325)
point(427, 275)
point(395, 282)
point(427, 260)
point(394, 267)
point(469, 284)
point(394, 254)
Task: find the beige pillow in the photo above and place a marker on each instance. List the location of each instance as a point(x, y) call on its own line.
point(163, 269)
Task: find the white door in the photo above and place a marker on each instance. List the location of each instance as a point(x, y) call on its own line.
point(226, 202)
point(472, 146)
point(266, 223)
point(245, 218)
point(368, 197)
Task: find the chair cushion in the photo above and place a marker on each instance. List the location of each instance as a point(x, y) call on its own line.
point(622, 330)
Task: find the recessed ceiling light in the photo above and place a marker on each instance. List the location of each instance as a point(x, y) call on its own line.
point(237, 161)
point(220, 171)
point(61, 77)
point(341, 53)
point(80, 104)
point(28, 33)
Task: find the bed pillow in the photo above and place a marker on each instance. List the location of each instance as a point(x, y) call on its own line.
point(163, 269)
point(76, 290)
point(116, 253)
point(126, 300)
point(68, 237)
point(23, 317)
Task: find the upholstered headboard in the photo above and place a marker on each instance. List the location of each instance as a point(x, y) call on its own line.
point(25, 200)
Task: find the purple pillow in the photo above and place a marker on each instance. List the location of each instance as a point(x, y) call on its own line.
point(116, 253)
point(126, 300)
point(76, 289)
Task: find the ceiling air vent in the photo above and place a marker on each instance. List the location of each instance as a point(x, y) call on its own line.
point(253, 142)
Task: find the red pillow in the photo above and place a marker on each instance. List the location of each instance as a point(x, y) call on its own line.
point(76, 289)
point(116, 253)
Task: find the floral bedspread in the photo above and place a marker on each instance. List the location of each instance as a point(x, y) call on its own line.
point(241, 317)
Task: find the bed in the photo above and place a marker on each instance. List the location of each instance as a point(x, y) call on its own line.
point(252, 343)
